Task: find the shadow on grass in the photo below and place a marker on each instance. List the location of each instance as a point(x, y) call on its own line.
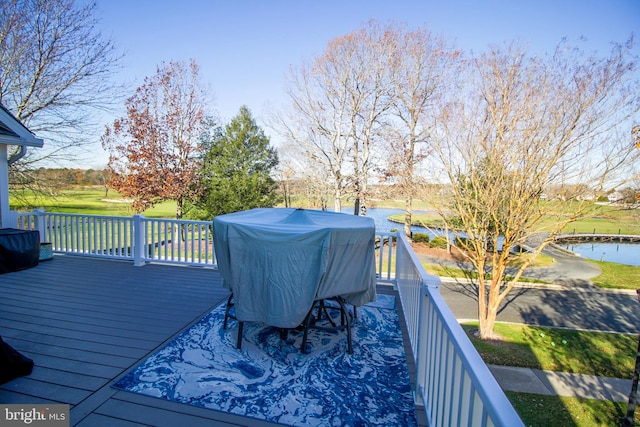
point(537, 410)
point(595, 353)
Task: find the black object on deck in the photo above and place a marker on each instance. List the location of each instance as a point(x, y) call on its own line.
point(19, 249)
point(12, 363)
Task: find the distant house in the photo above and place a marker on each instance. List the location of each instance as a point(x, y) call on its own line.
point(12, 132)
point(615, 197)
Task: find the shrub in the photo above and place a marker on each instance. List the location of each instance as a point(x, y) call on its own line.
point(439, 242)
point(460, 241)
point(420, 238)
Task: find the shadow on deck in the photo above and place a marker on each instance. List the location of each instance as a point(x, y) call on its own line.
point(86, 321)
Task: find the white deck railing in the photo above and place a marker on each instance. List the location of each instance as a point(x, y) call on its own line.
point(452, 381)
point(136, 238)
point(453, 384)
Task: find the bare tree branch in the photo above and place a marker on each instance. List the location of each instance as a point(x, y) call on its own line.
point(525, 125)
point(55, 72)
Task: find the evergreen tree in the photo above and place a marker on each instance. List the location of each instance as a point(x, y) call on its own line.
point(237, 168)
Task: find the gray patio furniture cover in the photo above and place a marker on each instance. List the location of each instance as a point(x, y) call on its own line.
point(277, 261)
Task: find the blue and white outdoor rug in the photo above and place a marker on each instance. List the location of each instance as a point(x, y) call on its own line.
point(271, 379)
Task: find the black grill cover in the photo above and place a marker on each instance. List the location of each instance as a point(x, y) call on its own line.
point(19, 249)
point(12, 363)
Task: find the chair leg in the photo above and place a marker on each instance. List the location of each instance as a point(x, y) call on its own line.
point(227, 315)
point(284, 334)
point(345, 322)
point(305, 325)
point(227, 310)
point(345, 313)
point(239, 339)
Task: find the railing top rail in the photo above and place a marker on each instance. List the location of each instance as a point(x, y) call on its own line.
point(114, 217)
point(180, 221)
point(428, 279)
point(64, 214)
point(498, 406)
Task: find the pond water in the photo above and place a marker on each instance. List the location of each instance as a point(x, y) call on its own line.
point(380, 216)
point(622, 253)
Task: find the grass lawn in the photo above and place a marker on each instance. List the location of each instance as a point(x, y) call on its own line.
point(89, 201)
point(605, 220)
point(554, 349)
point(457, 273)
point(537, 410)
point(609, 225)
point(617, 276)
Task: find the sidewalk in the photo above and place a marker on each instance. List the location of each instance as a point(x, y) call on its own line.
point(525, 380)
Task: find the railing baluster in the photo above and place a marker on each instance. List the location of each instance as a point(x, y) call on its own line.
point(442, 350)
point(193, 241)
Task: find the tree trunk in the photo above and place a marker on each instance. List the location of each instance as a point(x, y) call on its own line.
point(408, 211)
point(337, 200)
point(487, 322)
point(179, 203)
point(362, 200)
point(491, 302)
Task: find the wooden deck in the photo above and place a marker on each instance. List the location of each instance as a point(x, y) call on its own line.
point(86, 321)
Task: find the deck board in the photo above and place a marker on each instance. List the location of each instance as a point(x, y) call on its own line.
point(87, 321)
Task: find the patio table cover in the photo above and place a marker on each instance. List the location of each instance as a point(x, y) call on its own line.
point(277, 261)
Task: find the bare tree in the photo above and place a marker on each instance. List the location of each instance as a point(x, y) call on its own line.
point(316, 121)
point(524, 123)
point(154, 152)
point(423, 71)
point(371, 96)
point(55, 70)
point(337, 106)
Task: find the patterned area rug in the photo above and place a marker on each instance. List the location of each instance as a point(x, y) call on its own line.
point(270, 379)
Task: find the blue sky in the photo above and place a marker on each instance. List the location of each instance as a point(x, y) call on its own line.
point(245, 47)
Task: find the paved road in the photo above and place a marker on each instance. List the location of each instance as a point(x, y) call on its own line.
point(571, 302)
point(577, 308)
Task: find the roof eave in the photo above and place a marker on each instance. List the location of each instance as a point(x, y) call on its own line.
point(27, 142)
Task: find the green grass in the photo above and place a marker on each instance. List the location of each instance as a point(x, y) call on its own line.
point(422, 220)
point(554, 349)
point(445, 271)
point(617, 276)
point(88, 201)
point(538, 410)
point(542, 260)
point(607, 220)
point(603, 226)
point(457, 273)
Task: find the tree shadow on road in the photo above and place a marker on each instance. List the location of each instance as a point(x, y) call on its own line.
point(468, 286)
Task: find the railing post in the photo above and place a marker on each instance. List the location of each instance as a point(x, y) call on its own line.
point(421, 347)
point(13, 220)
point(138, 239)
point(40, 223)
